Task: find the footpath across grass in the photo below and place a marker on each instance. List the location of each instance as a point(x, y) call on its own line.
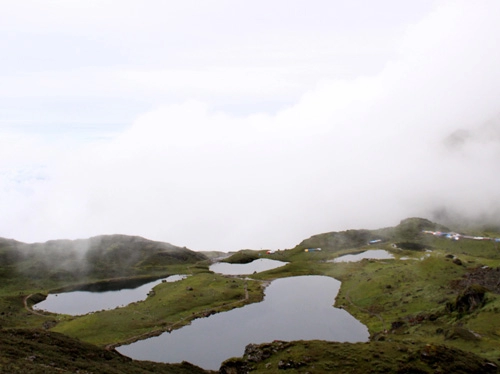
point(171, 306)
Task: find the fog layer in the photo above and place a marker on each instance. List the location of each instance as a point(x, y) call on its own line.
point(419, 138)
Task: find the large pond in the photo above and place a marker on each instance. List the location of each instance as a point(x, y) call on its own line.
point(373, 254)
point(294, 308)
point(83, 302)
point(256, 266)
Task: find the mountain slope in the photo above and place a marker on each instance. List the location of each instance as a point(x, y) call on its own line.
point(99, 257)
point(408, 229)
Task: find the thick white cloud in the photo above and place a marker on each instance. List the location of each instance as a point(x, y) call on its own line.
point(421, 135)
point(177, 50)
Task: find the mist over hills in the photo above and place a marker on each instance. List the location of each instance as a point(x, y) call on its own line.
point(116, 256)
point(105, 256)
point(407, 229)
point(109, 256)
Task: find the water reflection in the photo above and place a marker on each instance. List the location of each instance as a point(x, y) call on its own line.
point(294, 308)
point(83, 302)
point(256, 266)
point(374, 254)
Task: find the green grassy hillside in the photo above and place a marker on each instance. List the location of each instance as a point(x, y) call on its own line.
point(56, 263)
point(433, 307)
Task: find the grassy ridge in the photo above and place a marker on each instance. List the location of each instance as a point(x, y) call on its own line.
point(43, 266)
point(172, 306)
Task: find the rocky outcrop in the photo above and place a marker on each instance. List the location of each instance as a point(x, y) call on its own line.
point(470, 299)
point(484, 276)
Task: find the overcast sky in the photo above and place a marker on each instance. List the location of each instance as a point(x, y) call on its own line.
point(221, 125)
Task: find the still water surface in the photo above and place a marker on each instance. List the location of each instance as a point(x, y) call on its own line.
point(294, 308)
point(262, 264)
point(83, 302)
point(374, 254)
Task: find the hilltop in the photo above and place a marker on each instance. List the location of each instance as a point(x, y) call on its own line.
point(62, 262)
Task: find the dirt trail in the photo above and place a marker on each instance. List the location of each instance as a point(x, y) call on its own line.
point(181, 322)
point(31, 310)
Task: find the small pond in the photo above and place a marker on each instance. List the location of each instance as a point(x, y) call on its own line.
point(256, 266)
point(83, 302)
point(294, 308)
point(373, 254)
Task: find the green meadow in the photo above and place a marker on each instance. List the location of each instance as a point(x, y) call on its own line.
point(435, 297)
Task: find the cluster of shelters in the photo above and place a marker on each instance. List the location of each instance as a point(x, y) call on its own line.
point(312, 249)
point(457, 236)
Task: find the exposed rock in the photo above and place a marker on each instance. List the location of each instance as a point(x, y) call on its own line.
point(483, 276)
point(37, 298)
point(234, 366)
point(458, 332)
point(49, 324)
point(258, 353)
point(450, 360)
point(468, 300)
point(289, 364)
point(254, 353)
point(397, 325)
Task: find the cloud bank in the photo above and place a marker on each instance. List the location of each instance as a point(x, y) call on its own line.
point(421, 136)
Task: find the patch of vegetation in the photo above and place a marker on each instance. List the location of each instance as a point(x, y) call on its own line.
point(374, 357)
point(244, 256)
point(335, 241)
point(411, 228)
point(172, 306)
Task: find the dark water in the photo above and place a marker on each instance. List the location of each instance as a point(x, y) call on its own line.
point(293, 309)
point(83, 302)
point(262, 264)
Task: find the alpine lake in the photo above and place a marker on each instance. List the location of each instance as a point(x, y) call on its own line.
point(294, 308)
